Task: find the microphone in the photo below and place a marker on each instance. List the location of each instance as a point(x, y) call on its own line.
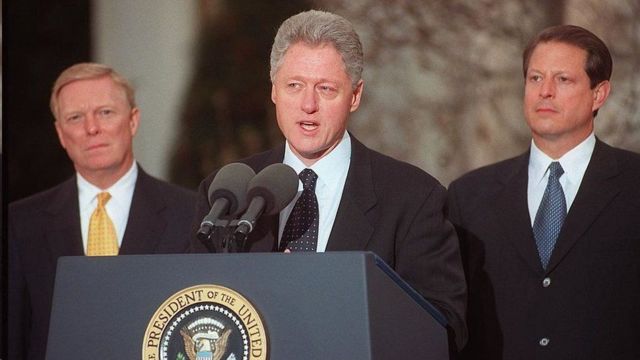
point(227, 195)
point(269, 192)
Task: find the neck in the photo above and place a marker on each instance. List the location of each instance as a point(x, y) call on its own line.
point(556, 147)
point(105, 178)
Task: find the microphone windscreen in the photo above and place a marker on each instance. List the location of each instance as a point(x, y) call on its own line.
point(277, 184)
point(231, 183)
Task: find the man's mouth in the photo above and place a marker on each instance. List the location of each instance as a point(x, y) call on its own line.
point(308, 125)
point(96, 147)
point(546, 108)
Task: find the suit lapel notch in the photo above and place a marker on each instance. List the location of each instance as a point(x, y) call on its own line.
point(596, 191)
point(64, 219)
point(352, 230)
point(147, 219)
point(512, 218)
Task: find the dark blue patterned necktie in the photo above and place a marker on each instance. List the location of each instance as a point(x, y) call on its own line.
point(301, 231)
point(551, 214)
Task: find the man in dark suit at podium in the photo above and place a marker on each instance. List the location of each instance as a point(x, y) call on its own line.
point(109, 207)
point(358, 199)
point(551, 238)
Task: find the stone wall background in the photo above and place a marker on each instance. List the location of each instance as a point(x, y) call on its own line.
point(444, 83)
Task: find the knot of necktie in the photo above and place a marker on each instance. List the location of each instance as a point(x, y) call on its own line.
point(103, 198)
point(555, 171)
point(308, 178)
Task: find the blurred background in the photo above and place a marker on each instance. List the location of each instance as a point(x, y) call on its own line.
point(443, 79)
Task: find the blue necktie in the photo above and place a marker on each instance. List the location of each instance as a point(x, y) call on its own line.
point(551, 214)
point(301, 231)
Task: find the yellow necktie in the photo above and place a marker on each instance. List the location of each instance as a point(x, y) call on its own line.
point(102, 234)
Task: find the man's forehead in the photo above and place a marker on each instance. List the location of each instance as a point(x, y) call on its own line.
point(558, 47)
point(302, 52)
point(113, 89)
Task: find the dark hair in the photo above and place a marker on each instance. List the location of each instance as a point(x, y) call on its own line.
point(599, 63)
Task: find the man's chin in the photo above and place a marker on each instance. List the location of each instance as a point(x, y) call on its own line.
point(310, 155)
point(98, 166)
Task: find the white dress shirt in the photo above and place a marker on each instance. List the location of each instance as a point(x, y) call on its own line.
point(332, 173)
point(574, 163)
point(117, 207)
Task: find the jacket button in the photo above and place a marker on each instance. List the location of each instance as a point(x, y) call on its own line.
point(544, 342)
point(546, 282)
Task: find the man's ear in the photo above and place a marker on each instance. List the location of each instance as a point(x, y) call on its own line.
point(600, 94)
point(273, 93)
point(134, 121)
point(59, 132)
point(357, 94)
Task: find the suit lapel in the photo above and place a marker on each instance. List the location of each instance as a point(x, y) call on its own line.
point(351, 229)
point(147, 219)
point(62, 233)
point(511, 217)
point(264, 237)
point(597, 189)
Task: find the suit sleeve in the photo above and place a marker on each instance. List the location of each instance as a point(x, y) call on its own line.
point(19, 316)
point(429, 258)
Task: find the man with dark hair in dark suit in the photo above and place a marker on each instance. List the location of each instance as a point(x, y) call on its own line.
point(551, 238)
point(363, 200)
point(109, 207)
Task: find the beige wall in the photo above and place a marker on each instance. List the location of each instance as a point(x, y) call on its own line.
point(151, 43)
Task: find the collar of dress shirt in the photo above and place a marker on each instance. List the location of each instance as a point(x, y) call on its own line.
point(121, 192)
point(330, 169)
point(574, 162)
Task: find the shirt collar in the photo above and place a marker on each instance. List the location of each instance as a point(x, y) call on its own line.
point(87, 192)
point(574, 162)
point(327, 168)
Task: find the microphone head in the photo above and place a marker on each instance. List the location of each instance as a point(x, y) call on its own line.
point(277, 184)
point(231, 183)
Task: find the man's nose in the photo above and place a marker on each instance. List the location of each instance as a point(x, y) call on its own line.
point(547, 89)
point(310, 101)
point(91, 124)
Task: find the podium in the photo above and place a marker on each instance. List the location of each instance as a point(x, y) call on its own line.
point(334, 305)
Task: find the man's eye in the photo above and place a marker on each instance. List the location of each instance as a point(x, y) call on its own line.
point(327, 90)
point(74, 118)
point(535, 78)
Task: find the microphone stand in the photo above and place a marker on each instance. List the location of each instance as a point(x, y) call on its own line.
point(224, 237)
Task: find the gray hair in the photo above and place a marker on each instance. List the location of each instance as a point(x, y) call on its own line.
point(315, 28)
point(87, 71)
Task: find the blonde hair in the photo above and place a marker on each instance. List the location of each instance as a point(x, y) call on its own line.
point(86, 71)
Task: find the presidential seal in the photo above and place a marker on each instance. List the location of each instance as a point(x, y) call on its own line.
point(205, 322)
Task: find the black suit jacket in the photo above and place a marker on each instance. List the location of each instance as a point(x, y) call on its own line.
point(46, 226)
point(392, 209)
point(587, 302)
